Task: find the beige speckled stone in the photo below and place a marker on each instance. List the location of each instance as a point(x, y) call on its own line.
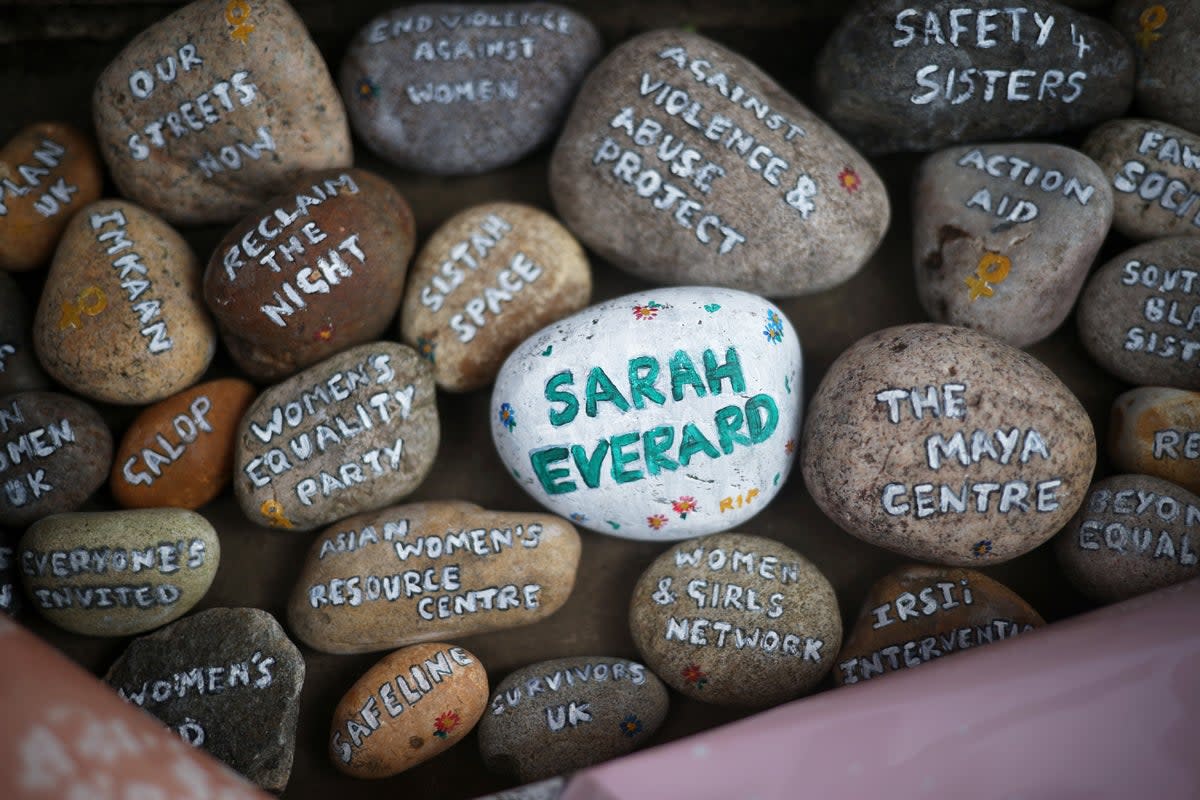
point(487, 279)
point(212, 110)
point(116, 573)
point(418, 702)
point(1134, 534)
point(736, 620)
point(121, 319)
point(946, 445)
point(493, 570)
point(1156, 431)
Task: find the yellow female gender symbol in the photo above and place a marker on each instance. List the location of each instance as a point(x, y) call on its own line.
point(91, 301)
point(1151, 20)
point(236, 14)
point(992, 268)
point(273, 511)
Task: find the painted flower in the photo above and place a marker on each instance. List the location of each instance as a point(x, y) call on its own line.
point(982, 548)
point(446, 722)
point(648, 311)
point(684, 506)
point(367, 89)
point(849, 180)
point(426, 349)
point(577, 517)
point(695, 676)
point(790, 447)
point(508, 417)
point(656, 521)
point(631, 726)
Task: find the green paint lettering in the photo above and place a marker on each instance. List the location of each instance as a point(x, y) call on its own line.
point(601, 388)
point(551, 479)
point(683, 373)
point(729, 420)
point(761, 427)
point(589, 466)
point(620, 458)
point(642, 384)
point(570, 409)
point(694, 442)
point(731, 370)
point(655, 443)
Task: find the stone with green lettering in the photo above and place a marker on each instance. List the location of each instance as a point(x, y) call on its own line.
point(661, 415)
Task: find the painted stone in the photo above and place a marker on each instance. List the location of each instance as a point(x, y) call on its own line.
point(55, 451)
point(919, 613)
point(1155, 431)
point(1134, 534)
point(179, 452)
point(414, 704)
point(1004, 236)
point(894, 76)
point(438, 570)
point(217, 107)
point(121, 319)
point(456, 89)
point(19, 367)
point(946, 445)
point(660, 415)
point(228, 681)
point(117, 573)
point(1137, 312)
point(10, 586)
point(317, 269)
point(1152, 171)
point(48, 171)
point(569, 713)
point(1163, 34)
point(486, 279)
point(736, 620)
point(354, 433)
point(683, 163)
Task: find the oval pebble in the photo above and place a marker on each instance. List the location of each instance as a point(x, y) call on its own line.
point(1155, 431)
point(918, 613)
point(121, 318)
point(1134, 534)
point(414, 704)
point(179, 452)
point(659, 415)
point(19, 367)
point(437, 570)
point(317, 269)
point(116, 573)
point(55, 451)
point(454, 89)
point(565, 714)
point(356, 432)
point(946, 445)
point(684, 163)
point(49, 171)
point(736, 620)
point(1164, 38)
point(488, 278)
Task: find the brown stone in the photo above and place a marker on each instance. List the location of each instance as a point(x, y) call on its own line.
point(1155, 431)
point(217, 107)
point(486, 280)
point(121, 319)
point(317, 269)
point(494, 570)
point(19, 367)
point(421, 701)
point(48, 171)
point(919, 613)
point(179, 452)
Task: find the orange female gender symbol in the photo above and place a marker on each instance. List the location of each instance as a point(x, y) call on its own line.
point(237, 12)
point(1151, 20)
point(992, 268)
point(273, 511)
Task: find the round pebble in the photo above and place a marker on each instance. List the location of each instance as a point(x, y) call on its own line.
point(1155, 431)
point(1165, 37)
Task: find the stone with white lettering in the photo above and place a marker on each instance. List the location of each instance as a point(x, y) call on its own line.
point(736, 620)
point(488, 278)
point(356, 432)
point(454, 89)
point(1165, 36)
point(210, 111)
point(897, 75)
point(11, 602)
point(48, 171)
point(569, 713)
point(918, 613)
point(1154, 169)
point(121, 318)
point(317, 269)
point(682, 162)
point(1154, 430)
point(1139, 314)
point(55, 450)
point(1133, 534)
point(227, 681)
point(19, 367)
point(661, 415)
point(116, 573)
point(414, 704)
point(1004, 236)
point(179, 452)
point(946, 445)
point(436, 570)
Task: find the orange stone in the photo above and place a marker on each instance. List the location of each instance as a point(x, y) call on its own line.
point(414, 704)
point(48, 171)
point(179, 452)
